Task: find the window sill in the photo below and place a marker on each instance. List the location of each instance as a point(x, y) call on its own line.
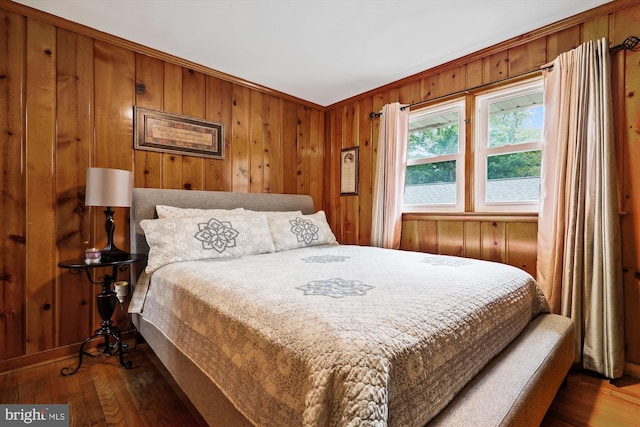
point(471, 216)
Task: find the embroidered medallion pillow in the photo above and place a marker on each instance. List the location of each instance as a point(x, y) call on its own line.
point(299, 231)
point(203, 237)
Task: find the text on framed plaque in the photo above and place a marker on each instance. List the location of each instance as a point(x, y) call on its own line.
point(174, 133)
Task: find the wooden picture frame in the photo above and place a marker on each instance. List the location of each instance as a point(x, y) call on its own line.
point(173, 133)
point(349, 171)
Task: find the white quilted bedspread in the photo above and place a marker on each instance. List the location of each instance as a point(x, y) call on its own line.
point(341, 335)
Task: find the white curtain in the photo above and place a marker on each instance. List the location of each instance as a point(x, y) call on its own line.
point(388, 184)
point(579, 249)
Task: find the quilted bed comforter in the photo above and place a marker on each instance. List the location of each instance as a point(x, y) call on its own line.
point(340, 335)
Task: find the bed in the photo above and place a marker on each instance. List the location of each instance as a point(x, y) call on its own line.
point(277, 330)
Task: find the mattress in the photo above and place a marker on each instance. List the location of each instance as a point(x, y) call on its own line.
point(337, 334)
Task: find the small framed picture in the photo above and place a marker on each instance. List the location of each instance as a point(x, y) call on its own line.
point(349, 164)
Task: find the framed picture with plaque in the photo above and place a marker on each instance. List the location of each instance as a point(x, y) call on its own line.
point(349, 164)
point(173, 133)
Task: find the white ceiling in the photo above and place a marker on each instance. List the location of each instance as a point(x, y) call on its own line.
point(322, 51)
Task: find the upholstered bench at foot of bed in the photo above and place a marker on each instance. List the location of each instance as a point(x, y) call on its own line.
point(518, 386)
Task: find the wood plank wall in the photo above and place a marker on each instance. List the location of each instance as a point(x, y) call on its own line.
point(66, 99)
point(510, 239)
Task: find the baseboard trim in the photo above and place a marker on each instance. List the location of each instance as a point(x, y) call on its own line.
point(632, 369)
point(53, 355)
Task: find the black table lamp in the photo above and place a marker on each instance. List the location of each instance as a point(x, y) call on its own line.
point(109, 188)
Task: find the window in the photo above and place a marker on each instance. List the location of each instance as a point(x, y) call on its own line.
point(435, 159)
point(505, 139)
point(509, 134)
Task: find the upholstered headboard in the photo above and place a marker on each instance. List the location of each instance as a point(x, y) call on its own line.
point(144, 203)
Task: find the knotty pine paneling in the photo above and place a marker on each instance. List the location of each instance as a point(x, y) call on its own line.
point(172, 88)
point(74, 146)
point(503, 239)
point(525, 57)
point(474, 71)
point(149, 94)
point(627, 116)
point(193, 93)
point(563, 41)
point(273, 147)
point(240, 146)
point(114, 68)
point(217, 174)
point(429, 85)
point(257, 130)
point(496, 67)
point(114, 98)
point(304, 153)
point(521, 245)
point(511, 241)
point(193, 104)
point(316, 154)
point(260, 139)
point(427, 236)
point(40, 136)
point(366, 153)
point(493, 241)
point(450, 237)
point(66, 103)
point(410, 93)
point(12, 186)
point(451, 81)
point(172, 103)
point(597, 28)
point(334, 200)
point(290, 140)
point(472, 239)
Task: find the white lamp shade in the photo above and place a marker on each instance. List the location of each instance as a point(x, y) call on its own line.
point(108, 187)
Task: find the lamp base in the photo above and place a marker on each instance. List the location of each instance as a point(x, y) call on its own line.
point(114, 255)
point(111, 252)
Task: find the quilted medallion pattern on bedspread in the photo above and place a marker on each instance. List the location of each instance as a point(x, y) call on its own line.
point(360, 337)
point(335, 288)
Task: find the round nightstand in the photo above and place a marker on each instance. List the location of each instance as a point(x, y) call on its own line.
point(106, 302)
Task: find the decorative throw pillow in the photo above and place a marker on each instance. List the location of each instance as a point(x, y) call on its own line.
point(203, 237)
point(298, 231)
point(164, 211)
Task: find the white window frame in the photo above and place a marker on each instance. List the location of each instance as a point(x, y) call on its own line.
point(483, 151)
point(443, 108)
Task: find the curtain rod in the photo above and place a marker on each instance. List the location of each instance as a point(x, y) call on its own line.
point(373, 115)
point(628, 44)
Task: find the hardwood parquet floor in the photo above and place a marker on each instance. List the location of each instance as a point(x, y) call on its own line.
point(101, 393)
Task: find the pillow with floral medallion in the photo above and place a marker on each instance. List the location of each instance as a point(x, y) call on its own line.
point(298, 231)
point(204, 237)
